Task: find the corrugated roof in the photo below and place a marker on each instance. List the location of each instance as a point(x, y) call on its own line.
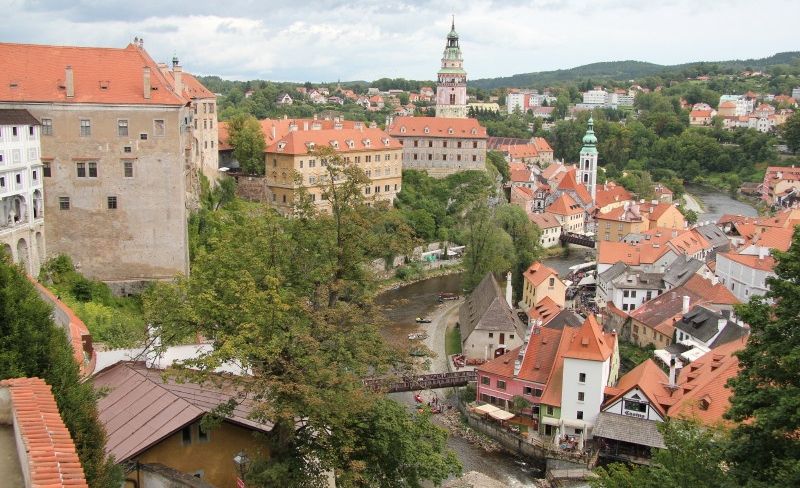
point(52, 458)
point(142, 407)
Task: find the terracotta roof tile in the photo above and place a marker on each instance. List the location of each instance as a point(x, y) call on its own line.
point(611, 193)
point(538, 272)
point(570, 183)
point(544, 220)
point(437, 127)
point(545, 310)
point(650, 379)
point(751, 261)
point(590, 343)
point(565, 205)
point(52, 458)
point(37, 73)
point(302, 141)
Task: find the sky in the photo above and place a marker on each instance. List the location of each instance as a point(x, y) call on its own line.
point(331, 40)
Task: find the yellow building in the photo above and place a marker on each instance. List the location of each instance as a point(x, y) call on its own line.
point(290, 164)
point(540, 281)
point(620, 221)
point(664, 215)
point(151, 422)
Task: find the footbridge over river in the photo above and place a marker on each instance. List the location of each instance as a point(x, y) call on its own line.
point(579, 239)
point(422, 382)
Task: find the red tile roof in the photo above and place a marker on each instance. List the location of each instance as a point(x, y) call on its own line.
point(650, 379)
point(544, 220)
point(517, 166)
point(689, 243)
point(751, 261)
point(540, 355)
point(299, 141)
point(437, 127)
point(518, 151)
point(52, 458)
point(700, 114)
point(541, 144)
point(281, 127)
point(702, 393)
point(775, 238)
point(570, 183)
point(538, 272)
point(645, 252)
point(192, 88)
point(521, 175)
point(590, 343)
point(545, 310)
point(37, 73)
point(611, 193)
point(565, 205)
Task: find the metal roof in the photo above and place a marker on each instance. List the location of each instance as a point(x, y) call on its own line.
point(143, 406)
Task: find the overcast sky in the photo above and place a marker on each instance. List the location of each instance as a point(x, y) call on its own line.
point(367, 39)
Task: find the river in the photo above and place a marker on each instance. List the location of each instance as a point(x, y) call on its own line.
point(716, 203)
point(402, 306)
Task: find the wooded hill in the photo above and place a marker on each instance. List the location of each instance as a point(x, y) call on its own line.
point(629, 70)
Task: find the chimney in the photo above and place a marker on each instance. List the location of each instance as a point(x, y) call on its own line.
point(146, 71)
point(273, 131)
point(177, 73)
point(721, 323)
point(305, 123)
point(70, 82)
point(509, 300)
point(672, 372)
point(674, 232)
point(686, 301)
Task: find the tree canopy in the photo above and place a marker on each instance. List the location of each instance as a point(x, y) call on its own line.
point(247, 140)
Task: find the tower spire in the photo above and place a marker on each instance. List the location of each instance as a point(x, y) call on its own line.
point(453, 25)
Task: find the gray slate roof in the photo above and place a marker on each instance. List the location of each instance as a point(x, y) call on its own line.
point(565, 318)
point(617, 269)
point(17, 116)
point(623, 276)
point(680, 270)
point(703, 324)
point(715, 236)
point(486, 309)
point(628, 429)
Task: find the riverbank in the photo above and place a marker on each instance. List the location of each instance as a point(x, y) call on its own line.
point(692, 203)
point(395, 282)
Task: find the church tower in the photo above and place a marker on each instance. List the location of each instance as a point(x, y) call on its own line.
point(451, 88)
point(587, 164)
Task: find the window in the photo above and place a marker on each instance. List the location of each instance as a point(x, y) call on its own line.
point(537, 392)
point(552, 282)
point(47, 127)
point(485, 380)
point(635, 406)
point(579, 415)
point(549, 410)
point(444, 143)
point(430, 143)
point(127, 149)
point(501, 385)
point(46, 169)
point(86, 128)
point(35, 175)
point(387, 188)
point(63, 203)
point(527, 390)
point(202, 434)
point(14, 131)
point(581, 377)
point(475, 145)
point(312, 163)
point(143, 136)
point(112, 203)
point(474, 158)
point(430, 157)
point(81, 170)
point(127, 169)
point(158, 128)
point(459, 144)
point(491, 334)
point(122, 128)
point(92, 169)
point(2, 181)
point(186, 435)
point(580, 396)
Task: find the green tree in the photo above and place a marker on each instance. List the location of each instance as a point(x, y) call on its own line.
point(489, 249)
point(765, 448)
point(525, 239)
point(248, 143)
point(496, 159)
point(32, 345)
point(790, 131)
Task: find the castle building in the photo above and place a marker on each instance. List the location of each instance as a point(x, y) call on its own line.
point(451, 88)
point(116, 149)
point(587, 164)
point(21, 199)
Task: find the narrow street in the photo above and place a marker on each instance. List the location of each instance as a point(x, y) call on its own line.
point(445, 315)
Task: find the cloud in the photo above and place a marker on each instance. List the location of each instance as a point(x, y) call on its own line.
point(368, 39)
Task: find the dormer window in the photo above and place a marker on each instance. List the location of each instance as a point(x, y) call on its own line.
point(403, 129)
point(386, 141)
point(281, 145)
point(427, 130)
point(335, 144)
point(450, 130)
point(310, 145)
point(350, 143)
point(367, 142)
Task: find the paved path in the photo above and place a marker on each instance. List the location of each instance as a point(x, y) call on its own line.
point(692, 203)
point(445, 314)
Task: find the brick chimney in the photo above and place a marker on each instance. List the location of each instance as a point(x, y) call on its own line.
point(69, 81)
point(177, 74)
point(147, 88)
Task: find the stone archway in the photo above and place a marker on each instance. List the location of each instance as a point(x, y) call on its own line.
point(38, 207)
point(23, 257)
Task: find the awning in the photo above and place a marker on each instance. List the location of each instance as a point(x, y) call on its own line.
point(501, 415)
point(486, 409)
point(577, 424)
point(551, 421)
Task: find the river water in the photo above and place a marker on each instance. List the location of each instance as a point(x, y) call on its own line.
point(716, 203)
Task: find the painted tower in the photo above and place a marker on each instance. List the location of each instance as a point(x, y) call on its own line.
point(451, 90)
point(587, 164)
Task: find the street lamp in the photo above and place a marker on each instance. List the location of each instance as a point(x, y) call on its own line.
point(241, 461)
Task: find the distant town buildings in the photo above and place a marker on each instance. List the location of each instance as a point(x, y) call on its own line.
point(22, 230)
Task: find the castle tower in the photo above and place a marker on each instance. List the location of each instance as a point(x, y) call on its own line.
point(451, 88)
point(587, 164)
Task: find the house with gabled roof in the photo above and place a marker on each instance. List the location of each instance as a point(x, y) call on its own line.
point(562, 372)
point(151, 419)
point(489, 326)
point(540, 281)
